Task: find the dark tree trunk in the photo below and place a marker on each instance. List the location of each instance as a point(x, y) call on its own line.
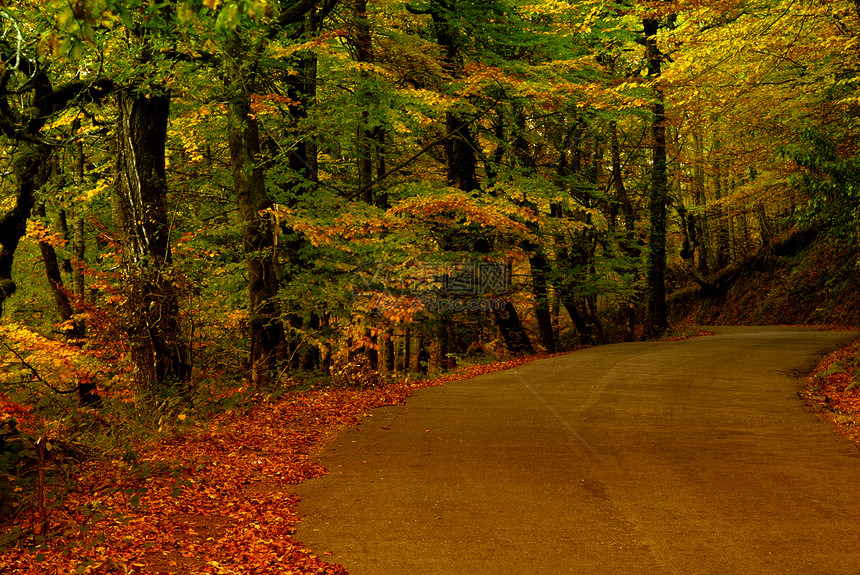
point(304, 163)
point(583, 328)
point(371, 350)
point(362, 43)
point(78, 236)
point(55, 281)
point(423, 360)
point(656, 320)
point(407, 350)
point(388, 350)
point(720, 220)
point(513, 333)
point(460, 153)
point(79, 253)
point(30, 174)
point(266, 332)
point(703, 245)
point(443, 336)
point(629, 216)
point(540, 269)
point(621, 196)
point(158, 350)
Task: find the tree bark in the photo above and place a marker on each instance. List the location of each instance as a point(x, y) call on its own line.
point(513, 333)
point(703, 245)
point(265, 329)
point(158, 350)
point(30, 174)
point(540, 268)
point(78, 236)
point(55, 280)
point(628, 245)
point(656, 320)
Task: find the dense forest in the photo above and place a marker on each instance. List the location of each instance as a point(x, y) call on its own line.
point(211, 202)
point(200, 195)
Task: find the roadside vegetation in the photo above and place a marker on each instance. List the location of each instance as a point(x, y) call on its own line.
point(833, 391)
point(221, 220)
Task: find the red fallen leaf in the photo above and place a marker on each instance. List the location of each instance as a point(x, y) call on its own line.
point(219, 492)
point(385, 427)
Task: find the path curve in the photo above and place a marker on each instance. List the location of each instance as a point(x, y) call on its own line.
point(650, 458)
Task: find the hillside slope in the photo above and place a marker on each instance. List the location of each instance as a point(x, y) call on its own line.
point(810, 280)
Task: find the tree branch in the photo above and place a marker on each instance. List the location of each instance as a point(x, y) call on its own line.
point(35, 372)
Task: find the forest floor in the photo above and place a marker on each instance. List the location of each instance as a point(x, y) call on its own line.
point(833, 391)
point(216, 499)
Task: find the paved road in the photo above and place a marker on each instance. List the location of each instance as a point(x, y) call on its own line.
point(683, 458)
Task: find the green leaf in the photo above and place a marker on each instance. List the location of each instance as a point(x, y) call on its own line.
point(126, 18)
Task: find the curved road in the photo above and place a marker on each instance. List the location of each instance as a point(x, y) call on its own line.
point(648, 458)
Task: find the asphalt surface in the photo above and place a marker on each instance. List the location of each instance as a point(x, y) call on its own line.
point(685, 457)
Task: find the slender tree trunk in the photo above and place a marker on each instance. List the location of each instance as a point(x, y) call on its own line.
point(540, 269)
point(703, 245)
point(571, 257)
point(55, 279)
point(423, 360)
point(628, 246)
point(656, 320)
point(764, 227)
point(266, 332)
point(362, 42)
point(407, 350)
point(78, 237)
point(388, 350)
point(444, 361)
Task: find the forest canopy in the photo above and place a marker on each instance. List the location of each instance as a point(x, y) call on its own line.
point(199, 193)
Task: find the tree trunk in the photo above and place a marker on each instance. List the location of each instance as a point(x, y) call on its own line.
point(540, 269)
point(656, 320)
point(158, 350)
point(55, 281)
point(362, 42)
point(628, 245)
point(720, 221)
point(423, 360)
point(407, 350)
point(388, 350)
point(78, 237)
point(29, 169)
point(509, 325)
point(265, 329)
point(703, 245)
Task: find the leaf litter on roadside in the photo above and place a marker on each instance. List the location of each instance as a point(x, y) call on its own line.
point(833, 390)
point(217, 501)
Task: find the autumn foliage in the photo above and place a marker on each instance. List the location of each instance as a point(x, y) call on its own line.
point(833, 390)
point(214, 499)
point(209, 204)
